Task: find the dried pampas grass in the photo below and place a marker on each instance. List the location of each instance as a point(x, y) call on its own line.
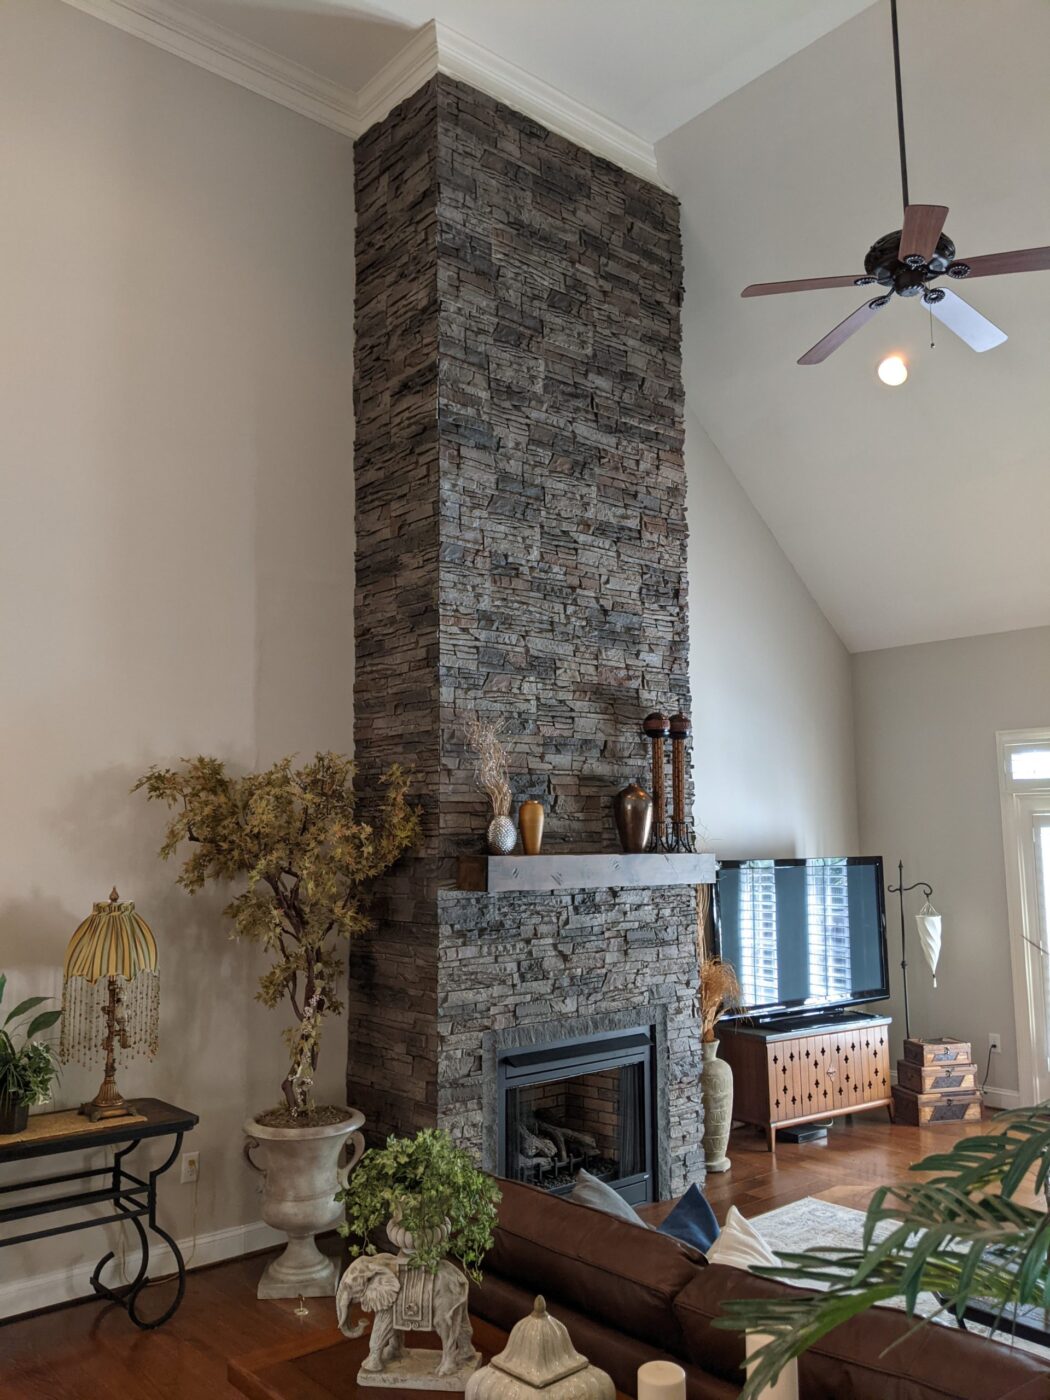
point(719, 993)
point(719, 990)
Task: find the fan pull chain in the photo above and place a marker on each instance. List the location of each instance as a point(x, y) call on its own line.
point(931, 328)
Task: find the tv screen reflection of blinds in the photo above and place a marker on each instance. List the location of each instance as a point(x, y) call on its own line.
point(803, 933)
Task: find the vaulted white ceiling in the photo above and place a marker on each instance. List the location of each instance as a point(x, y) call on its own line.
point(913, 513)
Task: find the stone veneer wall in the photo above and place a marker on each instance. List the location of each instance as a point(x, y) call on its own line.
point(521, 551)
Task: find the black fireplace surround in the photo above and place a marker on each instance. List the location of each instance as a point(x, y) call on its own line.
point(585, 1101)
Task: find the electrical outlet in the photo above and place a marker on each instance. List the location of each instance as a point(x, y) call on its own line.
point(191, 1166)
point(995, 1042)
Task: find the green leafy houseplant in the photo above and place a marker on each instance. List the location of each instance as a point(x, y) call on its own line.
point(962, 1234)
point(426, 1184)
point(295, 836)
point(26, 1070)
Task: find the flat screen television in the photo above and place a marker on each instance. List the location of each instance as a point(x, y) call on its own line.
point(803, 935)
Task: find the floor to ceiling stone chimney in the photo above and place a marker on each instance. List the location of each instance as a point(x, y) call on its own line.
point(521, 551)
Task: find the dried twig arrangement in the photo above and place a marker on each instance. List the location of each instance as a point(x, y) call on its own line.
point(491, 771)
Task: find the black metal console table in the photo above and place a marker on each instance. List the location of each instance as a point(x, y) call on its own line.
point(134, 1199)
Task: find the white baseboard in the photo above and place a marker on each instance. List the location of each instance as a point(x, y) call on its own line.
point(1002, 1098)
point(66, 1285)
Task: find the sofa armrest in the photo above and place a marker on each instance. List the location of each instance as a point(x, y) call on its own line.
point(880, 1355)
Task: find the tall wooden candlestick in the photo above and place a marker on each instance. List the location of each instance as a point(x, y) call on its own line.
point(657, 728)
point(681, 840)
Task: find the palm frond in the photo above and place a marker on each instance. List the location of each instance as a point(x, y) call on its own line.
point(959, 1234)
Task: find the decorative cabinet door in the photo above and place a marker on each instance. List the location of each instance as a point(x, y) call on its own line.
point(814, 1074)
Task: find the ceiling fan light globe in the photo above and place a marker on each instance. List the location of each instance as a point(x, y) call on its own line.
point(893, 370)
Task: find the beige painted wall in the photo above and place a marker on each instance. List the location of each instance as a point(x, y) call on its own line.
point(773, 746)
point(926, 718)
point(176, 523)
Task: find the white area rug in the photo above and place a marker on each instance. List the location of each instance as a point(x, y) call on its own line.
point(810, 1223)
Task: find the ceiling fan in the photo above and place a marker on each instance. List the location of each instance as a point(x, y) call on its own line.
point(908, 260)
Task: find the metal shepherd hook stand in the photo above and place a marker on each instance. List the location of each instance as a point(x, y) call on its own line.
point(902, 889)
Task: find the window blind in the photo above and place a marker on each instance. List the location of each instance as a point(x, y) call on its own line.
point(827, 919)
point(757, 972)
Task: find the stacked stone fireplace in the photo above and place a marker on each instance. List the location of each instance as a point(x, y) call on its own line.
point(521, 553)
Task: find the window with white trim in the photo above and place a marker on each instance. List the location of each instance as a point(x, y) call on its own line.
point(1024, 781)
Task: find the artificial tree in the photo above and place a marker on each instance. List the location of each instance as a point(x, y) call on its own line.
point(295, 836)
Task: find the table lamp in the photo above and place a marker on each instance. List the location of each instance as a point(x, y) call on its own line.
point(110, 973)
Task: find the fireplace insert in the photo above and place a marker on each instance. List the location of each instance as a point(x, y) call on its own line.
point(579, 1103)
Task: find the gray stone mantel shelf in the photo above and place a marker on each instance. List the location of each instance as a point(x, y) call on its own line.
point(555, 873)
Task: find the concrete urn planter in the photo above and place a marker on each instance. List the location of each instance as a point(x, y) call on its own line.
point(301, 1173)
point(716, 1086)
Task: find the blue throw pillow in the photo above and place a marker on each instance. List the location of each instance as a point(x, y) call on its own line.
point(692, 1221)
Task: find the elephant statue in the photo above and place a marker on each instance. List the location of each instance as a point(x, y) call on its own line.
point(406, 1298)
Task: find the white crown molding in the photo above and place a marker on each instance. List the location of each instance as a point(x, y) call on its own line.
point(438, 49)
point(462, 58)
point(405, 74)
point(219, 50)
point(434, 48)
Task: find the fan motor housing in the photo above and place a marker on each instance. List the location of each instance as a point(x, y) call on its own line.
point(884, 264)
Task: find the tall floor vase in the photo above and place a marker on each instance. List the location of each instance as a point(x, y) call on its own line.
point(716, 1086)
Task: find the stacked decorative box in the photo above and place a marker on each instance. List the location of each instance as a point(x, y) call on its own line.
point(936, 1083)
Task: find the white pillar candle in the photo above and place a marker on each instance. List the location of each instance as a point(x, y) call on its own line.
point(785, 1387)
point(661, 1380)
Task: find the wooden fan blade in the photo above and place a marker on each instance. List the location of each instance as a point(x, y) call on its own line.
point(843, 331)
point(922, 228)
point(993, 264)
point(807, 284)
point(968, 324)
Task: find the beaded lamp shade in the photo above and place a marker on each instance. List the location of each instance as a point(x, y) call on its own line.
point(110, 976)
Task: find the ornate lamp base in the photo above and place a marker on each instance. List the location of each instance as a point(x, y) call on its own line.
point(109, 1102)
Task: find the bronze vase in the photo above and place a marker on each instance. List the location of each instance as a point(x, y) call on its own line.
point(634, 818)
point(530, 824)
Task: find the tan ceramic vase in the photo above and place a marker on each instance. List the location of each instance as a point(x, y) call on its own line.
point(530, 824)
point(716, 1086)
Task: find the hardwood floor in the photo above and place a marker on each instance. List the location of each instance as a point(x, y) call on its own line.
point(92, 1352)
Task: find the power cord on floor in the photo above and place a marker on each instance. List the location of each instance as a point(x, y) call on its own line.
point(987, 1068)
point(164, 1278)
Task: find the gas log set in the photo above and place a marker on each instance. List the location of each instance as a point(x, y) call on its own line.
point(550, 1155)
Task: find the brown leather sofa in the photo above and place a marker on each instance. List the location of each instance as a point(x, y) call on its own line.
point(629, 1295)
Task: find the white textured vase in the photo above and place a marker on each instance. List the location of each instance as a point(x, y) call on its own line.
point(716, 1086)
point(301, 1173)
point(502, 836)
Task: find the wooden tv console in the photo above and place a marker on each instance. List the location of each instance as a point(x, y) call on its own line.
point(784, 1076)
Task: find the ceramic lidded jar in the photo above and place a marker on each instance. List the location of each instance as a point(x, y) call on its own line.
point(539, 1362)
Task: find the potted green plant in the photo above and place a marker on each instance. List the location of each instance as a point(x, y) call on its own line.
point(306, 857)
point(439, 1212)
point(28, 1070)
point(429, 1196)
